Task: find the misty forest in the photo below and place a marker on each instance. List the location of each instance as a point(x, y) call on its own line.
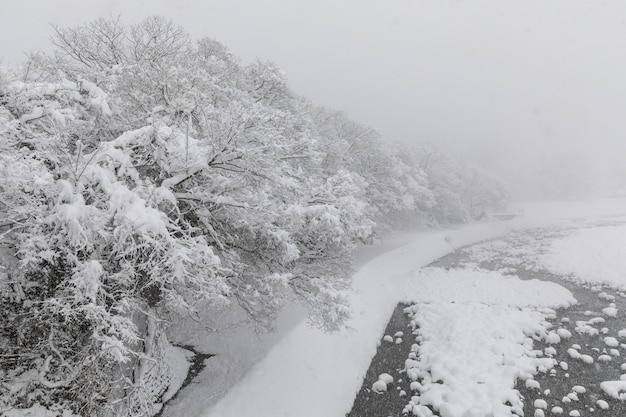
point(166, 206)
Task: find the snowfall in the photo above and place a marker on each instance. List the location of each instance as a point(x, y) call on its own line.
point(475, 328)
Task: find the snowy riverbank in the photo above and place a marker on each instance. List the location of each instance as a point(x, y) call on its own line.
point(301, 371)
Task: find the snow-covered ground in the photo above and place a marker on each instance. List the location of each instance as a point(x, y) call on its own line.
point(476, 331)
point(592, 255)
point(301, 371)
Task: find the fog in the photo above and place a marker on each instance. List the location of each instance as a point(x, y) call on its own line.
point(534, 90)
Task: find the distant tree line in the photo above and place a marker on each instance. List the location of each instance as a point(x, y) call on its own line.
point(145, 175)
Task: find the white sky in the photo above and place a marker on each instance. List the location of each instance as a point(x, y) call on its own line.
point(508, 83)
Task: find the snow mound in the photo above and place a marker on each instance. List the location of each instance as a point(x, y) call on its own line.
point(379, 386)
point(614, 389)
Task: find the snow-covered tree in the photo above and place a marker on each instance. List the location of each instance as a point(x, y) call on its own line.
point(461, 193)
point(102, 250)
point(396, 188)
